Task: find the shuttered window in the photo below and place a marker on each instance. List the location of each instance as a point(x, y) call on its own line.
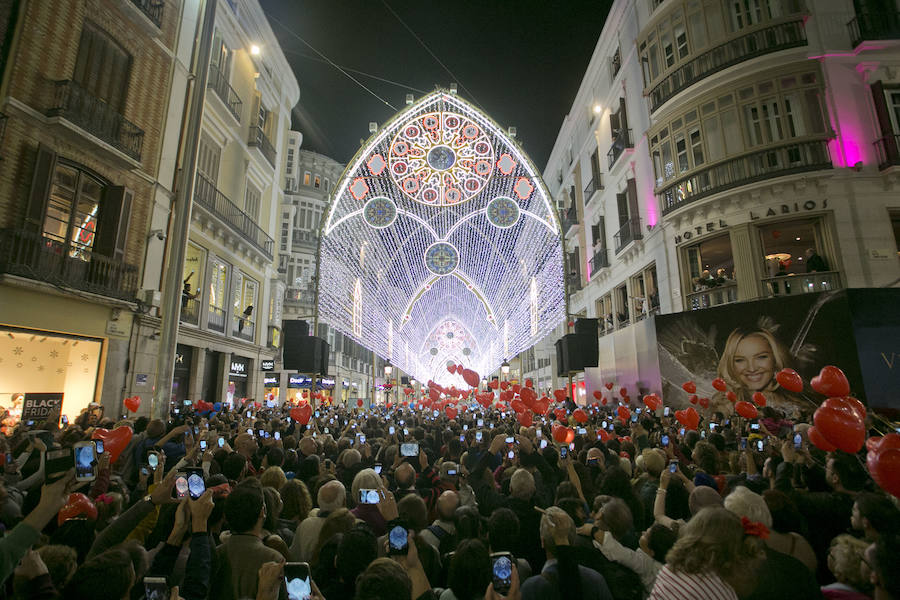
point(102, 66)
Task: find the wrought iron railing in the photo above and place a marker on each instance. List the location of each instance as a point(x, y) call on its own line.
point(570, 218)
point(76, 105)
point(622, 140)
point(300, 296)
point(600, 260)
point(218, 81)
point(243, 328)
point(152, 8)
point(190, 311)
point(888, 150)
point(594, 185)
point(801, 284)
point(628, 233)
point(714, 296)
point(574, 281)
point(207, 196)
point(782, 36)
point(215, 318)
point(31, 255)
point(305, 238)
point(258, 139)
point(880, 25)
point(741, 170)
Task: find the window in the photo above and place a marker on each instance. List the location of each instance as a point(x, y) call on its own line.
point(784, 246)
point(208, 157)
point(745, 13)
point(306, 178)
point(644, 292)
point(71, 216)
point(605, 313)
point(251, 202)
point(244, 305)
point(102, 66)
point(709, 273)
point(221, 55)
point(317, 182)
point(622, 311)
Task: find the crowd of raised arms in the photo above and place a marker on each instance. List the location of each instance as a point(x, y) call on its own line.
point(404, 503)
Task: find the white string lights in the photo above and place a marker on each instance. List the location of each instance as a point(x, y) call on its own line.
point(441, 236)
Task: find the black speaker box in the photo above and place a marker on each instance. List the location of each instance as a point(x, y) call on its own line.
point(304, 353)
point(574, 352)
point(586, 326)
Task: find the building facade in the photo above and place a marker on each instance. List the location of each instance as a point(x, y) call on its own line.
point(82, 145)
point(737, 136)
point(230, 321)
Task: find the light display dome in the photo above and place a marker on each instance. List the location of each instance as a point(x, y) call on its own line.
point(441, 244)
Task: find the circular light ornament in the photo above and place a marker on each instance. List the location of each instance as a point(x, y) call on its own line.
point(441, 159)
point(441, 258)
point(380, 212)
point(503, 212)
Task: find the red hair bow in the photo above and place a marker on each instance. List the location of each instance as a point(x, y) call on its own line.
point(754, 528)
point(103, 499)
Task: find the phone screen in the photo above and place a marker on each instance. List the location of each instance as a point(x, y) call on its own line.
point(196, 485)
point(377, 469)
point(297, 581)
point(221, 442)
point(563, 452)
point(481, 422)
point(582, 431)
point(203, 444)
point(398, 543)
point(477, 436)
point(155, 588)
point(84, 461)
point(409, 449)
point(391, 430)
point(501, 572)
point(760, 446)
point(666, 412)
point(153, 460)
point(99, 445)
point(543, 444)
point(277, 435)
point(181, 486)
point(754, 426)
point(743, 443)
point(665, 440)
point(368, 496)
point(798, 441)
point(673, 466)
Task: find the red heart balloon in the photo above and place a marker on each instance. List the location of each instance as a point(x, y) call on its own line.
point(570, 435)
point(528, 394)
point(790, 380)
point(598, 394)
point(652, 402)
point(623, 392)
point(542, 406)
point(604, 400)
point(518, 406)
point(133, 403)
point(872, 443)
point(719, 384)
point(516, 388)
point(603, 434)
point(561, 415)
point(690, 387)
point(732, 397)
point(525, 418)
point(460, 369)
point(839, 422)
point(831, 382)
point(494, 384)
point(609, 385)
point(759, 398)
point(889, 442)
point(504, 385)
point(559, 433)
point(688, 417)
point(529, 383)
point(695, 399)
point(624, 413)
point(451, 412)
point(704, 402)
point(746, 410)
point(887, 471)
point(580, 415)
point(857, 406)
point(113, 441)
point(409, 391)
point(77, 505)
point(451, 369)
point(471, 377)
point(301, 413)
point(560, 395)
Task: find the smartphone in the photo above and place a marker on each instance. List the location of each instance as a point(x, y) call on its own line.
point(196, 431)
point(712, 426)
point(317, 414)
point(451, 472)
point(563, 451)
point(436, 413)
point(478, 436)
point(297, 581)
point(603, 424)
point(249, 414)
point(84, 462)
point(65, 420)
point(666, 411)
point(377, 468)
point(754, 426)
point(405, 431)
point(57, 462)
point(277, 435)
point(510, 439)
point(391, 430)
point(409, 449)
point(155, 588)
point(501, 571)
point(743, 443)
point(98, 444)
point(673, 466)
point(196, 485)
point(760, 445)
point(465, 427)
point(176, 410)
point(703, 434)
point(462, 437)
point(362, 438)
point(153, 460)
point(634, 418)
point(145, 471)
point(537, 432)
point(637, 410)
point(203, 444)
point(543, 444)
point(398, 542)
point(481, 422)
point(262, 433)
point(681, 432)
point(221, 442)
point(664, 440)
point(181, 486)
point(249, 431)
point(798, 441)
point(368, 496)
point(511, 454)
point(581, 431)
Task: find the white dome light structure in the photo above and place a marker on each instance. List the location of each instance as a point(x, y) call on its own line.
point(441, 244)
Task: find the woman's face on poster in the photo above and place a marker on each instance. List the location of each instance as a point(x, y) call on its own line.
point(754, 363)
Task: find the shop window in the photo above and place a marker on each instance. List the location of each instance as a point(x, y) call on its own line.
point(192, 285)
point(218, 290)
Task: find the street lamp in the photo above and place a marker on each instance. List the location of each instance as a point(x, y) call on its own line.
point(504, 369)
point(388, 369)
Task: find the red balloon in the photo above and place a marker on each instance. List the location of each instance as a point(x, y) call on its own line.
point(732, 397)
point(560, 395)
point(525, 418)
point(518, 406)
point(451, 368)
point(133, 403)
point(604, 435)
point(695, 399)
point(598, 394)
point(561, 415)
point(529, 383)
point(887, 470)
point(652, 402)
point(77, 505)
point(494, 384)
point(690, 387)
point(528, 394)
point(114, 441)
point(559, 433)
point(857, 406)
point(451, 412)
point(580, 415)
point(839, 422)
point(719, 384)
point(471, 377)
point(704, 402)
point(359, 402)
point(872, 443)
point(459, 369)
point(604, 400)
point(759, 398)
point(688, 417)
point(389, 404)
point(790, 380)
point(609, 385)
point(504, 385)
point(623, 392)
point(409, 391)
point(746, 410)
point(301, 413)
point(831, 382)
point(818, 441)
point(624, 413)
point(516, 388)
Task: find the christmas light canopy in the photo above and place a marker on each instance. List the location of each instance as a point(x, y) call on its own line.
point(441, 245)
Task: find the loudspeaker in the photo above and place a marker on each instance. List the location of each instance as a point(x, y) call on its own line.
point(574, 352)
point(586, 326)
point(304, 353)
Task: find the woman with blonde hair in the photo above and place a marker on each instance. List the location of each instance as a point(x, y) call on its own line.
point(751, 359)
point(273, 477)
point(715, 555)
point(845, 559)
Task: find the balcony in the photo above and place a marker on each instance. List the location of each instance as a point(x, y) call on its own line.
point(714, 296)
point(76, 105)
point(190, 310)
point(30, 255)
point(622, 140)
point(887, 148)
point(881, 25)
point(306, 239)
point(628, 233)
point(207, 196)
point(600, 260)
point(297, 296)
point(569, 219)
point(741, 170)
point(782, 36)
point(152, 9)
point(593, 186)
point(218, 81)
point(801, 284)
point(259, 140)
point(216, 319)
point(573, 281)
point(243, 328)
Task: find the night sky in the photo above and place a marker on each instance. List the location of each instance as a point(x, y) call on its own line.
point(521, 61)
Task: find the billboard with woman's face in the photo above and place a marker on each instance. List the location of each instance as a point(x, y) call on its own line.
point(747, 343)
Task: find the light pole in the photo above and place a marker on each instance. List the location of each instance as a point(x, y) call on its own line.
point(388, 369)
point(504, 371)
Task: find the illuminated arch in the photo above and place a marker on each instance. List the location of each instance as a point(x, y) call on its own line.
point(455, 226)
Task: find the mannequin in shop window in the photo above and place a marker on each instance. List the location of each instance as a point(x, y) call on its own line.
point(814, 262)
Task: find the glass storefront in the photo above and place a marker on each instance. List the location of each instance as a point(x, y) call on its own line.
point(238, 374)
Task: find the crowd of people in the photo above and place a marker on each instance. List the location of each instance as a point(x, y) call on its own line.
point(402, 503)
